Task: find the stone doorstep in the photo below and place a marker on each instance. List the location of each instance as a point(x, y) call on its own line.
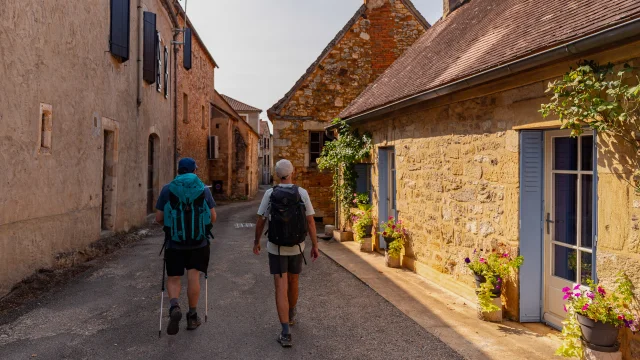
point(448, 316)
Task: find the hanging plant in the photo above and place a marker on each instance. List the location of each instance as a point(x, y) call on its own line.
point(340, 156)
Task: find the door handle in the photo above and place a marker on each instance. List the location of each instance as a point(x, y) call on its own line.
point(549, 222)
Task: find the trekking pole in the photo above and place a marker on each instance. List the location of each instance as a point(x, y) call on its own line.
point(164, 268)
point(206, 296)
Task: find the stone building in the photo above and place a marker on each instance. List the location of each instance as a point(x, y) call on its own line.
point(377, 34)
point(234, 167)
point(464, 158)
point(265, 154)
point(87, 129)
point(195, 99)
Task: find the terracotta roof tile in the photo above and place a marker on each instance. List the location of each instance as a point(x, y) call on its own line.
point(238, 105)
point(483, 34)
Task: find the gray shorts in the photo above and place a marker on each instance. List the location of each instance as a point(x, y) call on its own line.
point(280, 264)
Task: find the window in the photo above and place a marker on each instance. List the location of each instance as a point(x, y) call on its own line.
point(185, 108)
point(158, 62)
point(166, 72)
point(149, 64)
point(363, 181)
point(316, 144)
point(213, 147)
point(204, 119)
point(186, 50)
point(46, 127)
point(119, 32)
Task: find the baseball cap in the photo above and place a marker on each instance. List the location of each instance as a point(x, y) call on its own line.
point(284, 168)
point(186, 165)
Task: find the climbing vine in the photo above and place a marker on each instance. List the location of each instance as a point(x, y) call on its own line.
point(605, 98)
point(340, 156)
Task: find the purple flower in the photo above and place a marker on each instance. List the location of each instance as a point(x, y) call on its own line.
point(467, 260)
point(577, 294)
point(499, 280)
point(591, 295)
point(585, 307)
point(505, 255)
point(475, 251)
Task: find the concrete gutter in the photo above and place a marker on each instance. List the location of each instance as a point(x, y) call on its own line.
point(601, 39)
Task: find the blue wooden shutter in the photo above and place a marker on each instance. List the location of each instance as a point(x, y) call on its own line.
point(119, 33)
point(531, 224)
point(186, 56)
point(149, 63)
point(383, 190)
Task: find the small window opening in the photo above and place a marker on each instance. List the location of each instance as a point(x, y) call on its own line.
point(46, 127)
point(185, 108)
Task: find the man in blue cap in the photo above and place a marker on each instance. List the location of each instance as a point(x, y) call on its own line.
point(186, 209)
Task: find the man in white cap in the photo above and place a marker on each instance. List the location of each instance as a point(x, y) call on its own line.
point(290, 214)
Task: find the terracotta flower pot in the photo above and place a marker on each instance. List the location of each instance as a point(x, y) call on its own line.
point(598, 333)
point(481, 280)
point(392, 262)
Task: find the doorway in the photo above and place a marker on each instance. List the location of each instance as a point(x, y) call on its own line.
point(108, 180)
point(152, 171)
point(387, 206)
point(569, 225)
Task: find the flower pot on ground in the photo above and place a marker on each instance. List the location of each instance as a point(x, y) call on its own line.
point(490, 269)
point(342, 236)
point(362, 224)
point(366, 245)
point(391, 261)
point(596, 315)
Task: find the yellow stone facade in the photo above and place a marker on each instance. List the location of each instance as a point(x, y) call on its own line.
point(457, 173)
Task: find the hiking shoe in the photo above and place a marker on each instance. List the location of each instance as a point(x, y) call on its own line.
point(175, 315)
point(193, 321)
point(285, 340)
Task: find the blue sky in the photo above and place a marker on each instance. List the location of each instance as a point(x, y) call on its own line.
point(264, 46)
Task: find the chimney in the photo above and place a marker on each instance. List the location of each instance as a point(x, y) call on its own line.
point(450, 6)
point(374, 4)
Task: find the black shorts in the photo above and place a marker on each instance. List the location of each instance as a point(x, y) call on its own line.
point(280, 264)
point(178, 260)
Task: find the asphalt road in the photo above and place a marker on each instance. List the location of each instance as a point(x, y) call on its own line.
point(112, 311)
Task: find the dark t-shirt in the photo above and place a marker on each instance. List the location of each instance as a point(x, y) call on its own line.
point(163, 199)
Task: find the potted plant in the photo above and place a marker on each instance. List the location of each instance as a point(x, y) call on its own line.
point(393, 233)
point(490, 270)
point(596, 316)
point(362, 226)
point(361, 200)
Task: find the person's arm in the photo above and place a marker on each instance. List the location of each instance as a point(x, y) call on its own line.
point(208, 197)
point(259, 228)
point(214, 215)
point(314, 237)
point(160, 217)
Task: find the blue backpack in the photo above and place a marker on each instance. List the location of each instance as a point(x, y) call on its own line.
point(187, 217)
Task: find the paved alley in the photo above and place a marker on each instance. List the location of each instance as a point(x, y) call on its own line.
point(111, 311)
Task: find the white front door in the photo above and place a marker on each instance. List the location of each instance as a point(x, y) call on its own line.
point(569, 217)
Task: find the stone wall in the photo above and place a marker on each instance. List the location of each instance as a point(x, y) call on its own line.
point(457, 161)
point(193, 125)
point(368, 48)
point(51, 200)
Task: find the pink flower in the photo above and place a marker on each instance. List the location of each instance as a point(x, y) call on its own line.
point(591, 295)
point(565, 308)
point(355, 201)
point(577, 287)
point(505, 255)
point(577, 294)
point(567, 296)
point(399, 222)
point(393, 227)
point(585, 307)
point(483, 260)
point(620, 317)
point(601, 291)
point(384, 234)
point(390, 217)
point(566, 289)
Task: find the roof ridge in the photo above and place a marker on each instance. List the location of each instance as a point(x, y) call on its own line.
point(231, 100)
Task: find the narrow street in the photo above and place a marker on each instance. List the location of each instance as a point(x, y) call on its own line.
point(111, 311)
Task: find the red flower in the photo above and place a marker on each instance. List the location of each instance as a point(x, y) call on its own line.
point(384, 233)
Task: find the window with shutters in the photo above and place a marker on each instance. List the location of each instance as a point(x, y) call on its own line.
point(158, 62)
point(119, 29)
point(185, 108)
point(149, 55)
point(316, 144)
point(166, 72)
point(186, 49)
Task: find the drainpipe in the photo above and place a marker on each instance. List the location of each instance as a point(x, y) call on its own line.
point(140, 49)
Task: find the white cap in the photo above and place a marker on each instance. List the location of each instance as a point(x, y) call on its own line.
point(284, 168)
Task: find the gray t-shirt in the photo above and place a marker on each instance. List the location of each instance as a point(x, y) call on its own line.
point(263, 211)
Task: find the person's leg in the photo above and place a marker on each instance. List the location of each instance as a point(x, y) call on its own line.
point(173, 287)
point(292, 295)
point(193, 288)
point(282, 297)
point(175, 269)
